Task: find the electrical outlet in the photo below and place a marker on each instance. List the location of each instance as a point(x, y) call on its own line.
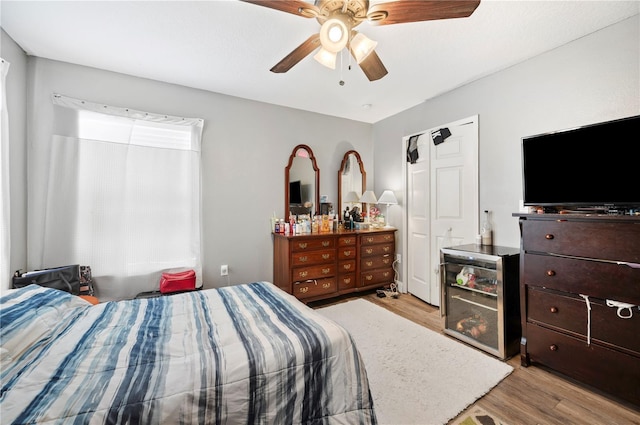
point(224, 270)
point(398, 258)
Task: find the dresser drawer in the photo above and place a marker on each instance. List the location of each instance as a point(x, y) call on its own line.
point(347, 252)
point(583, 277)
point(619, 241)
point(310, 244)
point(347, 240)
point(346, 281)
point(312, 288)
point(347, 266)
point(380, 276)
point(370, 263)
point(313, 272)
point(313, 257)
point(609, 370)
point(376, 239)
point(562, 312)
point(368, 251)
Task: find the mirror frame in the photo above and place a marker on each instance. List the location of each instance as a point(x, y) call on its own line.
point(342, 165)
point(316, 203)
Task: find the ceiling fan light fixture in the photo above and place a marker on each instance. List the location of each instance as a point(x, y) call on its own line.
point(362, 46)
point(326, 58)
point(334, 35)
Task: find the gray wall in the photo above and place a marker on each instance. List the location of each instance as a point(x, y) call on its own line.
point(16, 104)
point(245, 147)
point(593, 79)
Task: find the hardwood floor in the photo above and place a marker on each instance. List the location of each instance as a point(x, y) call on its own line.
point(529, 395)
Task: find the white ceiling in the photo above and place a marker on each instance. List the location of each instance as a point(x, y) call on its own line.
point(227, 46)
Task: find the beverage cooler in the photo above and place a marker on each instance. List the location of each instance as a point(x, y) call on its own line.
point(480, 302)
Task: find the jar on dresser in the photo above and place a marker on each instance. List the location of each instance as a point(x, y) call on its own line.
point(323, 265)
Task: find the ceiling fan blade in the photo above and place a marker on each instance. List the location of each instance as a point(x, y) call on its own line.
point(299, 53)
point(402, 11)
point(373, 67)
point(296, 7)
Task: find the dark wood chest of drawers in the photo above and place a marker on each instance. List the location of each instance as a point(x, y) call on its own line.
point(580, 292)
point(323, 265)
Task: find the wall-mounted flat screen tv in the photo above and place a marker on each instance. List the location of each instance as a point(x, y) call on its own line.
point(295, 192)
point(591, 166)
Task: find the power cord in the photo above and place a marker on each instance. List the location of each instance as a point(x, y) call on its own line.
point(392, 291)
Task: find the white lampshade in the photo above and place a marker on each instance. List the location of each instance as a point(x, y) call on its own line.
point(334, 35)
point(326, 58)
point(368, 197)
point(352, 197)
point(388, 198)
point(362, 46)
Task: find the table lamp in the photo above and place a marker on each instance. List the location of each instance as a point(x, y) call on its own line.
point(387, 198)
point(368, 197)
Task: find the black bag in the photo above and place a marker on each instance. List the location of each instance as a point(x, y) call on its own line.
point(65, 278)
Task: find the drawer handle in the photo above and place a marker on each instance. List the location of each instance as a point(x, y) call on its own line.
point(369, 250)
point(368, 277)
point(325, 256)
point(303, 259)
point(548, 236)
point(326, 243)
point(302, 245)
point(303, 273)
point(346, 266)
point(387, 237)
point(551, 273)
point(369, 240)
point(369, 263)
point(303, 289)
point(387, 248)
point(326, 271)
point(553, 347)
point(347, 241)
point(347, 253)
point(386, 274)
point(386, 260)
point(553, 309)
point(326, 285)
point(347, 280)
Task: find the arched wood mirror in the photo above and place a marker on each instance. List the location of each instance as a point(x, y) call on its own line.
point(351, 178)
point(301, 183)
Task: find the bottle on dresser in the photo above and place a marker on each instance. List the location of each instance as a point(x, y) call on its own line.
point(486, 232)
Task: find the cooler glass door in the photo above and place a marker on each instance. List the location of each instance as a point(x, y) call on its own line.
point(471, 310)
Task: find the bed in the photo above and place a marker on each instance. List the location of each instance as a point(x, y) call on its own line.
point(246, 354)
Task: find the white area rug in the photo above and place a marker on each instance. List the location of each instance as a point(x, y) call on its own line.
point(416, 376)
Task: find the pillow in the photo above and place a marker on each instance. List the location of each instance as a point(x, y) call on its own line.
point(31, 315)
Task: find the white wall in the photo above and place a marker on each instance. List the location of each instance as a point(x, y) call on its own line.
point(17, 105)
point(593, 79)
point(245, 147)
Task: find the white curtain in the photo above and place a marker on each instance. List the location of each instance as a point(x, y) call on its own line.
point(123, 195)
point(5, 222)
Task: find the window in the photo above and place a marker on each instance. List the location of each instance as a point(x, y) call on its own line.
point(123, 195)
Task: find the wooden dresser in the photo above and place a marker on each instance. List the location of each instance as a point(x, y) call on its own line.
point(323, 265)
point(575, 270)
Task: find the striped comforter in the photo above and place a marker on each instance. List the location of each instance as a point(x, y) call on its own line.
point(247, 354)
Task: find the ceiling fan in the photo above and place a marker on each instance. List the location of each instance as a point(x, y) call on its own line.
point(338, 18)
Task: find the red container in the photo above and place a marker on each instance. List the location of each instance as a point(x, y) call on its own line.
point(178, 282)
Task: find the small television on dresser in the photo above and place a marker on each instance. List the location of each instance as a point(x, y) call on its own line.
point(295, 193)
point(594, 167)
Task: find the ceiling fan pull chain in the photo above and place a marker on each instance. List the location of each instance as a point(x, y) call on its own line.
point(342, 67)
